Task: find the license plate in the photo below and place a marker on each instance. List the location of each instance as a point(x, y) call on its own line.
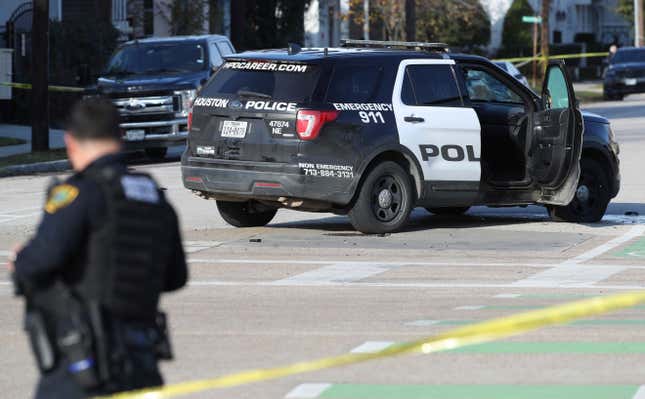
point(135, 135)
point(235, 129)
point(631, 82)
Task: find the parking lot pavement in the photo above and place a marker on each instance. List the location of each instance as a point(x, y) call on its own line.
point(308, 286)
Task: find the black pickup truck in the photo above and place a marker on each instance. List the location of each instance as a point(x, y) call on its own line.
point(153, 83)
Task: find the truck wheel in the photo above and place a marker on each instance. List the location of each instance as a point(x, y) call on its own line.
point(591, 199)
point(156, 153)
point(244, 214)
point(454, 211)
point(384, 200)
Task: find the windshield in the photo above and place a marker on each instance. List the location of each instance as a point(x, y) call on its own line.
point(146, 58)
point(267, 84)
point(622, 57)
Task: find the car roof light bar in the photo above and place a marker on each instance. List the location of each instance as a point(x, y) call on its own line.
point(394, 44)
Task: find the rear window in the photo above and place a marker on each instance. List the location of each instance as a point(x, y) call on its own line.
point(356, 84)
point(266, 79)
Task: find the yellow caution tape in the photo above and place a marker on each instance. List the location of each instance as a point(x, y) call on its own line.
point(27, 86)
point(474, 334)
point(555, 57)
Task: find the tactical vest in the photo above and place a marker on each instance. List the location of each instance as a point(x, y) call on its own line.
point(127, 256)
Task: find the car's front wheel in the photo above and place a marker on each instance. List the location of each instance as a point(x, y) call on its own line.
point(591, 199)
point(384, 201)
point(245, 214)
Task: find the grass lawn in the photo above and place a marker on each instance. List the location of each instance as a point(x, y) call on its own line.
point(44, 156)
point(5, 141)
point(589, 96)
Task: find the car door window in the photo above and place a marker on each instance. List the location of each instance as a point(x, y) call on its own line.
point(557, 90)
point(484, 87)
point(215, 56)
point(430, 85)
point(225, 48)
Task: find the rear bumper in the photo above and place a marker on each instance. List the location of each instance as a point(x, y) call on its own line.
point(619, 87)
point(158, 133)
point(260, 180)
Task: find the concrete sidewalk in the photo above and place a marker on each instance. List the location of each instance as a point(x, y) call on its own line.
point(24, 133)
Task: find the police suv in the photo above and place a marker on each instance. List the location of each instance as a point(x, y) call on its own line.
point(374, 129)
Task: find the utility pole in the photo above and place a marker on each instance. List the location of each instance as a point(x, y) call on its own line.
point(544, 37)
point(639, 26)
point(366, 19)
point(410, 20)
point(535, 43)
point(40, 76)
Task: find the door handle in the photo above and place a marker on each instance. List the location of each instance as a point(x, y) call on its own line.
point(413, 119)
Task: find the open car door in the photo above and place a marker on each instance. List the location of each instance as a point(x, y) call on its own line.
point(556, 142)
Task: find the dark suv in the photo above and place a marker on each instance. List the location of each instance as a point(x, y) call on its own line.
point(626, 73)
point(153, 82)
point(377, 128)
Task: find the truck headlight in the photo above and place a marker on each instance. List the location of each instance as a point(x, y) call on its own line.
point(186, 98)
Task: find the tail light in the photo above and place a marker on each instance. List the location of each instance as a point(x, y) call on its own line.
point(309, 123)
point(190, 120)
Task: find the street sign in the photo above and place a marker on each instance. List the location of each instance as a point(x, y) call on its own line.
point(532, 19)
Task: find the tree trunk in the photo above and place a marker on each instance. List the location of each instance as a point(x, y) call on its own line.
point(410, 20)
point(40, 76)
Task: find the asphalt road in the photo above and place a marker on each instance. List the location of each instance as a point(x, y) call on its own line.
point(309, 286)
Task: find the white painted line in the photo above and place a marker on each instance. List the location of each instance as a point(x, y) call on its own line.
point(336, 273)
point(640, 394)
point(372, 346)
point(215, 283)
point(196, 246)
point(569, 274)
point(634, 232)
point(422, 323)
point(470, 307)
point(5, 253)
point(395, 264)
point(20, 217)
point(307, 391)
point(507, 296)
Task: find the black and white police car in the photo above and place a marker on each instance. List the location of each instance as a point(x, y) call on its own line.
point(374, 129)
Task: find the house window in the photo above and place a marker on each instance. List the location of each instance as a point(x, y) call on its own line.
point(557, 37)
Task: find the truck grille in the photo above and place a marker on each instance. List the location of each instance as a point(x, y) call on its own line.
point(140, 106)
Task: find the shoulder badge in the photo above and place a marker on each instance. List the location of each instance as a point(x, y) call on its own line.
point(60, 196)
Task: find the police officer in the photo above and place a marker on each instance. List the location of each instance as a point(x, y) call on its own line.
point(107, 246)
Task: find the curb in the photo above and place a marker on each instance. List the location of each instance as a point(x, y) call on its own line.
point(38, 167)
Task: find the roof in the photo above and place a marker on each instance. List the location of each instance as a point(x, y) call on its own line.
point(317, 54)
point(177, 39)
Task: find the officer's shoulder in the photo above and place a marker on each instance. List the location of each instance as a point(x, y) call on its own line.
point(72, 191)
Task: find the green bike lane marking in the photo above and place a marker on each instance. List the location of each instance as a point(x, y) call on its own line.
point(634, 250)
point(582, 348)
point(367, 391)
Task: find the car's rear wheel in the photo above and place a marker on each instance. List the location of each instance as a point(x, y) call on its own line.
point(384, 201)
point(245, 214)
point(156, 153)
point(591, 199)
point(456, 210)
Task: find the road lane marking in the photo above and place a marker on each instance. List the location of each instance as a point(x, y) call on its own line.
point(572, 272)
point(307, 391)
point(207, 283)
point(569, 274)
point(507, 296)
point(372, 346)
point(423, 323)
point(470, 307)
point(640, 394)
point(588, 322)
point(336, 273)
point(454, 391)
point(634, 232)
point(196, 246)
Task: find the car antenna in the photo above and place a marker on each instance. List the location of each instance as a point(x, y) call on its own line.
point(294, 48)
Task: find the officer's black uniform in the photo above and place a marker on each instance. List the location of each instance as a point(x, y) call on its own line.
point(110, 236)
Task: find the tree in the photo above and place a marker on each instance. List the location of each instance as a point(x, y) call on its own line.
point(544, 33)
point(461, 23)
point(185, 17)
point(517, 34)
point(384, 15)
point(626, 9)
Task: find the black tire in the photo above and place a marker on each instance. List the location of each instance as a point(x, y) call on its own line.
point(592, 196)
point(156, 153)
point(384, 200)
point(245, 214)
point(454, 211)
